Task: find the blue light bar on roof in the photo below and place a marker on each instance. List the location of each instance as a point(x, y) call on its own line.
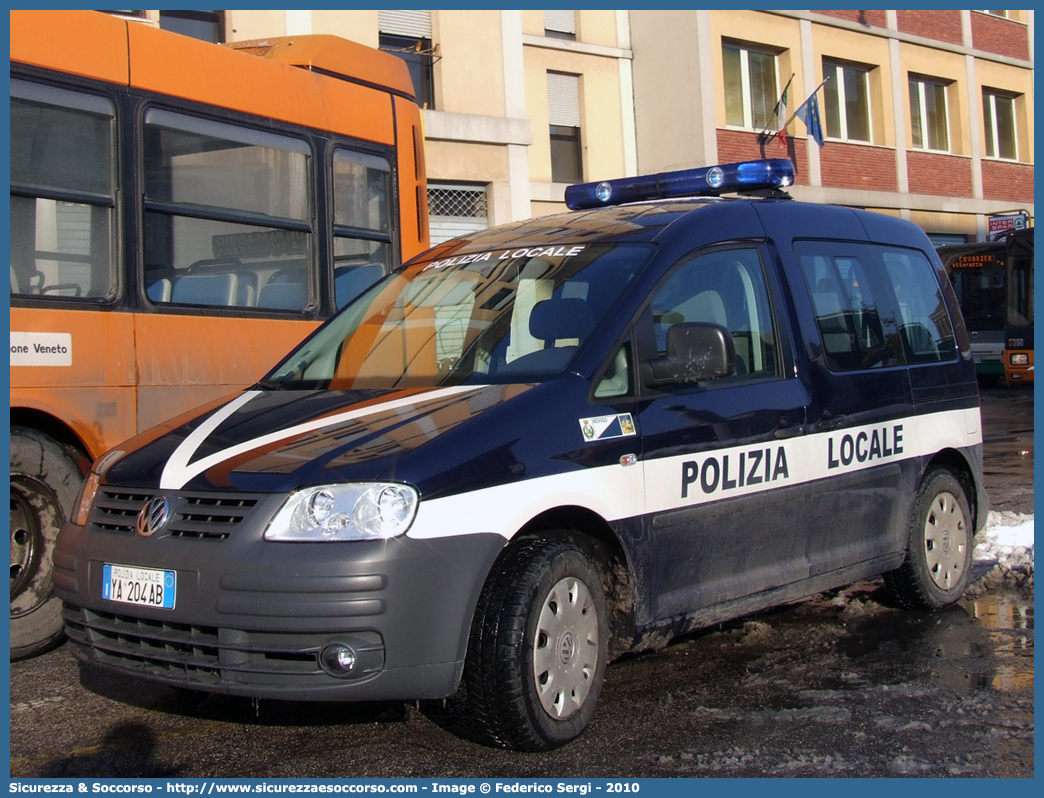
point(708, 181)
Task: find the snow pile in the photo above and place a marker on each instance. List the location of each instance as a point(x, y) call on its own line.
point(1003, 555)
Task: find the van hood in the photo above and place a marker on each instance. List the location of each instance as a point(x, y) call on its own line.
point(271, 441)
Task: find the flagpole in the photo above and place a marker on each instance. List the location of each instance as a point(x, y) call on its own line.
point(765, 132)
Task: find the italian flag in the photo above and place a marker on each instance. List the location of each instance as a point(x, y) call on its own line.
point(781, 115)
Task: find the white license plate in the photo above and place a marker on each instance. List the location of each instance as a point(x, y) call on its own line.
point(145, 587)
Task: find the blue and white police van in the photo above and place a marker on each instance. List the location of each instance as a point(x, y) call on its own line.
point(539, 446)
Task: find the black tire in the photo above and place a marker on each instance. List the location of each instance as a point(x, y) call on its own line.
point(939, 552)
point(45, 482)
point(532, 675)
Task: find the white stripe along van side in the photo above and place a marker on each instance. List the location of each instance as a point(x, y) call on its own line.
point(178, 471)
point(617, 492)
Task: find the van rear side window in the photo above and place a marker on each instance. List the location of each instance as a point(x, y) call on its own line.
point(846, 309)
point(875, 306)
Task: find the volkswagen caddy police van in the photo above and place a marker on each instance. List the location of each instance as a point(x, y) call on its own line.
point(539, 446)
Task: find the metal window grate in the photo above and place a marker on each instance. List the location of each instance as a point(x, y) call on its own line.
point(457, 201)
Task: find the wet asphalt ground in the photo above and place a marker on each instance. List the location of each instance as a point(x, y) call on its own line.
point(842, 684)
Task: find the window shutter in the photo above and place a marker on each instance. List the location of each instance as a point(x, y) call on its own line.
point(561, 21)
point(415, 24)
point(563, 99)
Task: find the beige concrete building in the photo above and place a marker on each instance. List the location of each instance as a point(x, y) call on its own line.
point(926, 114)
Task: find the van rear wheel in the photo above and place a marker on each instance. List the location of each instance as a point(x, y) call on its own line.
point(939, 553)
point(537, 652)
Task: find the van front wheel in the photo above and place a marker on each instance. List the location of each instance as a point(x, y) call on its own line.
point(538, 647)
point(939, 553)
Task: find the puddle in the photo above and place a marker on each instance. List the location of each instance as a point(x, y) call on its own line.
point(1002, 612)
point(976, 645)
point(1008, 621)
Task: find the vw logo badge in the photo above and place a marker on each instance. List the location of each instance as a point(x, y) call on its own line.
point(153, 516)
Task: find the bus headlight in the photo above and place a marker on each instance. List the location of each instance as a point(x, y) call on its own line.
point(374, 511)
point(1019, 359)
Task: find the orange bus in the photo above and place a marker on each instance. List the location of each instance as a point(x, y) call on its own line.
point(182, 213)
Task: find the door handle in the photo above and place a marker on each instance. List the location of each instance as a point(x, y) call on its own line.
point(787, 430)
point(828, 422)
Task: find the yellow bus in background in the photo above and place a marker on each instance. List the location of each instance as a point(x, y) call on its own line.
point(182, 214)
point(993, 281)
point(1018, 333)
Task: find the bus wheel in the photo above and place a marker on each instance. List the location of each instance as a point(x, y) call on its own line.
point(939, 552)
point(44, 485)
point(538, 649)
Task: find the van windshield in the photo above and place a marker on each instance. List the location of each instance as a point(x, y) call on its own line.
point(497, 316)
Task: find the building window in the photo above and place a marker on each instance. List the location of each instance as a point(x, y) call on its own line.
point(207, 26)
point(456, 210)
point(417, 53)
point(751, 87)
point(566, 160)
point(998, 114)
point(407, 34)
point(560, 24)
point(563, 106)
point(1002, 14)
point(847, 95)
point(929, 119)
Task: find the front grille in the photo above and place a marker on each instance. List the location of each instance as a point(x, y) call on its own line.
point(210, 656)
point(209, 516)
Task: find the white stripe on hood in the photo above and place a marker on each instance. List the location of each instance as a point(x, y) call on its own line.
point(178, 471)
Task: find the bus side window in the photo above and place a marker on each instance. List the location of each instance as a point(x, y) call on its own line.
point(227, 210)
point(352, 281)
point(362, 222)
point(62, 193)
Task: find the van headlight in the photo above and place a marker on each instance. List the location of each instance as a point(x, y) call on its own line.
point(345, 512)
point(87, 494)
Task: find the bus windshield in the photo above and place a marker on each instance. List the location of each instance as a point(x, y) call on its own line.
point(500, 316)
point(979, 282)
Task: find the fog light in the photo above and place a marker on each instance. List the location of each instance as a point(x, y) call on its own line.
point(338, 660)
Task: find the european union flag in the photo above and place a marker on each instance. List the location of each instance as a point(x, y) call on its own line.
point(809, 114)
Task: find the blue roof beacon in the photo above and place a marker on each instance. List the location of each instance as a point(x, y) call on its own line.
point(708, 181)
point(539, 446)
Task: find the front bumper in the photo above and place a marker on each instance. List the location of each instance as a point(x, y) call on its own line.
point(251, 617)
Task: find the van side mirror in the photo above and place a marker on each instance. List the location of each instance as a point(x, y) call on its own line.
point(696, 351)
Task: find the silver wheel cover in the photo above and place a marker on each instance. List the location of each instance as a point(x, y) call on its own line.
point(565, 648)
point(945, 541)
